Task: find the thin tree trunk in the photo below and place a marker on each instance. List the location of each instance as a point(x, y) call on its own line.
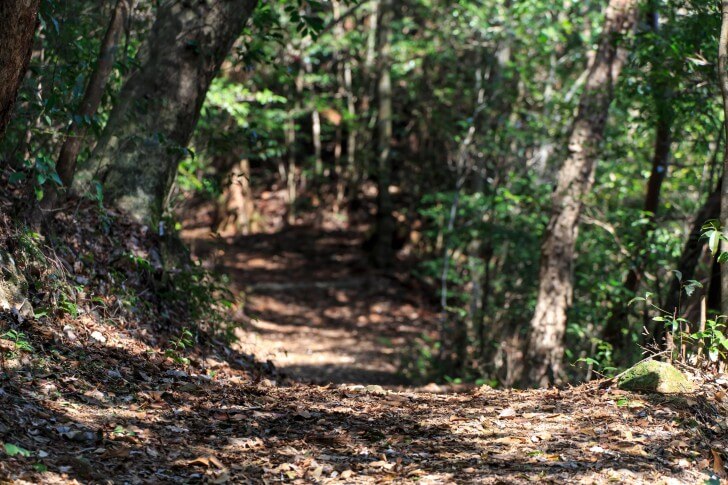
point(292, 149)
point(383, 251)
point(365, 106)
point(352, 129)
point(660, 161)
point(159, 105)
point(662, 96)
point(723, 75)
point(545, 349)
point(689, 258)
point(316, 135)
point(19, 19)
point(66, 164)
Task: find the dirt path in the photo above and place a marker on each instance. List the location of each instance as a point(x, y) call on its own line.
point(317, 310)
point(117, 410)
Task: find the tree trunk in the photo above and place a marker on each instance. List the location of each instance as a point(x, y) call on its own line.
point(149, 128)
point(292, 148)
point(236, 207)
point(689, 258)
point(66, 164)
point(662, 96)
point(19, 22)
point(545, 347)
point(723, 75)
point(383, 252)
point(660, 161)
point(353, 125)
point(316, 136)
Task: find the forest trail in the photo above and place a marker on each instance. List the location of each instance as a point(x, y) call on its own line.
point(338, 328)
point(115, 410)
point(316, 308)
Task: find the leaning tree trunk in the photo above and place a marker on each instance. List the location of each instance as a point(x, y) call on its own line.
point(383, 251)
point(723, 75)
point(66, 163)
point(149, 128)
point(19, 20)
point(545, 348)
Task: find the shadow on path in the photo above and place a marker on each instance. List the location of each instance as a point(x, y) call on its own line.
point(316, 308)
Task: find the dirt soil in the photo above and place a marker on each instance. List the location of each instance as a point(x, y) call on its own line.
point(316, 308)
point(113, 410)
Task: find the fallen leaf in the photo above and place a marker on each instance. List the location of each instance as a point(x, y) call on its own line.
point(718, 466)
point(207, 461)
point(507, 413)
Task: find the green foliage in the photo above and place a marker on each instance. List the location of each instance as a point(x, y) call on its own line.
point(19, 339)
point(483, 95)
point(177, 346)
point(15, 450)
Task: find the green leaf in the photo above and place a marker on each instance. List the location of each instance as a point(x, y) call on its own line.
point(14, 450)
point(690, 286)
point(16, 177)
point(713, 241)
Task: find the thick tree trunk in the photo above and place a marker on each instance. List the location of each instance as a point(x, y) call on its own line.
point(576, 177)
point(723, 75)
point(383, 252)
point(148, 130)
point(19, 19)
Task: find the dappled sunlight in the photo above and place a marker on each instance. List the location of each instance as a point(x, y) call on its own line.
point(316, 311)
point(363, 242)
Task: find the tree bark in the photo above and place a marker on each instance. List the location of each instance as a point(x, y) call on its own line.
point(660, 161)
point(689, 258)
point(159, 105)
point(66, 164)
point(662, 97)
point(383, 252)
point(723, 75)
point(19, 22)
point(236, 203)
point(545, 349)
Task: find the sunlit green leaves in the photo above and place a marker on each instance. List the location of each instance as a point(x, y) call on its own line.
point(15, 450)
